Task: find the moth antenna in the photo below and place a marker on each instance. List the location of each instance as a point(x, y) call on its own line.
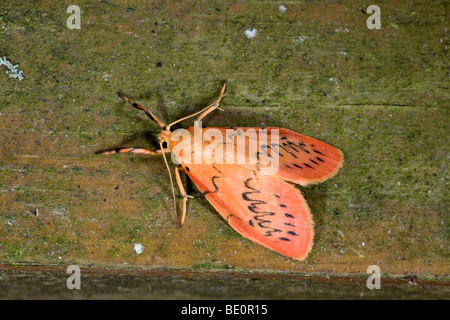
point(190, 116)
point(171, 181)
point(138, 106)
point(213, 106)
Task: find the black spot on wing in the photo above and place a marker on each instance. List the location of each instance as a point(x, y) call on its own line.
point(318, 152)
point(290, 145)
point(265, 149)
point(216, 188)
point(307, 165)
point(213, 181)
point(289, 224)
point(256, 206)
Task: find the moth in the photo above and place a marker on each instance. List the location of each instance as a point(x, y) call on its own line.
point(265, 208)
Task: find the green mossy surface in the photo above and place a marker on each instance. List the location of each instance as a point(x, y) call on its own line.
point(381, 96)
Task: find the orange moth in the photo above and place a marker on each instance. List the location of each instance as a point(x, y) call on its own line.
point(256, 197)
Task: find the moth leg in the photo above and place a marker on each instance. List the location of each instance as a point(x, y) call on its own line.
point(161, 151)
point(133, 150)
point(138, 106)
point(182, 191)
point(213, 106)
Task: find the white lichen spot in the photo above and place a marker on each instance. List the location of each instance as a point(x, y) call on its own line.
point(60, 211)
point(138, 248)
point(251, 33)
point(340, 29)
point(12, 69)
point(300, 39)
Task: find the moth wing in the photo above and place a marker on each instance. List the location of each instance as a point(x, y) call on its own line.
point(264, 209)
point(305, 160)
point(301, 159)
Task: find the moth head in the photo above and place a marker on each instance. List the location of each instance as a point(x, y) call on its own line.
point(165, 136)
